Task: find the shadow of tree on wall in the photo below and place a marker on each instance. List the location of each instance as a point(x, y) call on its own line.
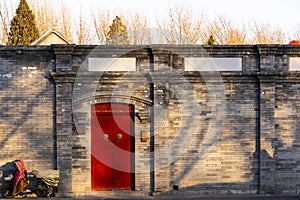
point(286, 141)
point(23, 115)
point(27, 113)
point(274, 163)
point(232, 165)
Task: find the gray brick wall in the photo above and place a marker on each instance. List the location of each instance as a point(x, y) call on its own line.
point(214, 132)
point(27, 109)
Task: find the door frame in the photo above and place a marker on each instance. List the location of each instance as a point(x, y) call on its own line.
point(132, 138)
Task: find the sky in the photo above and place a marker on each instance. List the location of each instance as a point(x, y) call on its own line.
point(282, 13)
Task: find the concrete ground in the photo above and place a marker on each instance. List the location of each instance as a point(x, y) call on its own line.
point(145, 196)
point(201, 198)
point(225, 197)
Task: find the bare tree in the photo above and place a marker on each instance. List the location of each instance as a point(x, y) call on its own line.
point(225, 32)
point(50, 14)
point(83, 30)
point(66, 24)
point(181, 26)
point(6, 14)
point(101, 21)
point(138, 31)
point(46, 16)
point(295, 33)
point(265, 34)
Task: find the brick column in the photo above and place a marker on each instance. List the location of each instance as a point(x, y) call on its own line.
point(267, 136)
point(64, 79)
point(267, 77)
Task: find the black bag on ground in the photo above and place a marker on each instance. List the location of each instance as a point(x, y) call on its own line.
point(7, 172)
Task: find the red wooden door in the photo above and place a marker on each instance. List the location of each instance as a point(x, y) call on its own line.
point(112, 147)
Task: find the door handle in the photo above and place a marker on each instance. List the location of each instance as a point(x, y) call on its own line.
point(105, 137)
point(119, 136)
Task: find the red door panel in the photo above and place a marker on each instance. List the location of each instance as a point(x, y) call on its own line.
point(101, 154)
point(111, 143)
point(121, 152)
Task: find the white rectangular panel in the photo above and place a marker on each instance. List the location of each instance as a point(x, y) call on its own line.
point(295, 64)
point(213, 64)
point(112, 64)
